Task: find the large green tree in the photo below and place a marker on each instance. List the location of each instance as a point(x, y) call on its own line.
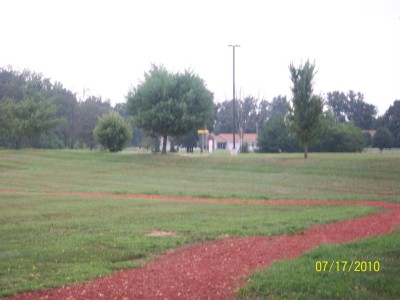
point(33, 111)
point(305, 114)
point(26, 119)
point(168, 104)
point(35, 117)
point(27, 108)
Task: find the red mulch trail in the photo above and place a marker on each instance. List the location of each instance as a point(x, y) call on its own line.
point(214, 270)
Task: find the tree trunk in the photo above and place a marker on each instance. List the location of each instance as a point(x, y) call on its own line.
point(164, 145)
point(305, 150)
point(241, 134)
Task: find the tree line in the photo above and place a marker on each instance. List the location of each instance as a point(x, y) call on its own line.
point(35, 112)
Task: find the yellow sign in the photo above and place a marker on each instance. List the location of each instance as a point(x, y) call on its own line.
point(202, 131)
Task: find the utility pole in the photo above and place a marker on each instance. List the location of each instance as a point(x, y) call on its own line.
point(234, 97)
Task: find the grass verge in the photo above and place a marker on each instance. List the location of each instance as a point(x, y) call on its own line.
point(299, 279)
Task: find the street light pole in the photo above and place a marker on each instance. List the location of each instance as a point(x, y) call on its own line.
point(234, 96)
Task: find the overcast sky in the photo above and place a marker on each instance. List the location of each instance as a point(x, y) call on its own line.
point(106, 46)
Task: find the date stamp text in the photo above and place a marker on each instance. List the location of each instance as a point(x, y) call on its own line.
point(347, 266)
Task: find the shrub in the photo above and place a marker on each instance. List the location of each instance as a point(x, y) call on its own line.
point(342, 137)
point(112, 132)
point(275, 137)
point(383, 138)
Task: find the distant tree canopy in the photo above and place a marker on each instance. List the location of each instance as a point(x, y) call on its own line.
point(273, 130)
point(168, 104)
point(87, 116)
point(392, 120)
point(223, 118)
point(305, 116)
point(38, 113)
point(351, 107)
point(250, 111)
point(35, 112)
point(27, 106)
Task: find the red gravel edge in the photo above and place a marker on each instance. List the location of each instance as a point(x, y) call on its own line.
point(214, 270)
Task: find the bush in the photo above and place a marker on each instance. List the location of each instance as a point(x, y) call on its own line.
point(383, 138)
point(274, 137)
point(342, 137)
point(112, 132)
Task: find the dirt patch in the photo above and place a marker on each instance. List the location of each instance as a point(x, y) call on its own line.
point(8, 191)
point(161, 233)
point(224, 237)
point(387, 205)
point(214, 270)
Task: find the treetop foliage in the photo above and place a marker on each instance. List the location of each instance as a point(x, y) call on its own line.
point(351, 107)
point(303, 80)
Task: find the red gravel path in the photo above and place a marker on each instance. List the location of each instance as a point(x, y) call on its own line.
point(214, 270)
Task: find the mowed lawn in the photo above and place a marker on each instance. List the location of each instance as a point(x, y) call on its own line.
point(52, 240)
point(249, 176)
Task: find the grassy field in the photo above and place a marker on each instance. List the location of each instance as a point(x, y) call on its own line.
point(52, 240)
point(285, 176)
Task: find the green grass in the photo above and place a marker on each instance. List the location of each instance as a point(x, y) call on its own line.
point(285, 176)
point(298, 279)
point(49, 240)
point(52, 240)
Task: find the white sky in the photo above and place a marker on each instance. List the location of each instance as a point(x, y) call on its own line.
point(106, 46)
